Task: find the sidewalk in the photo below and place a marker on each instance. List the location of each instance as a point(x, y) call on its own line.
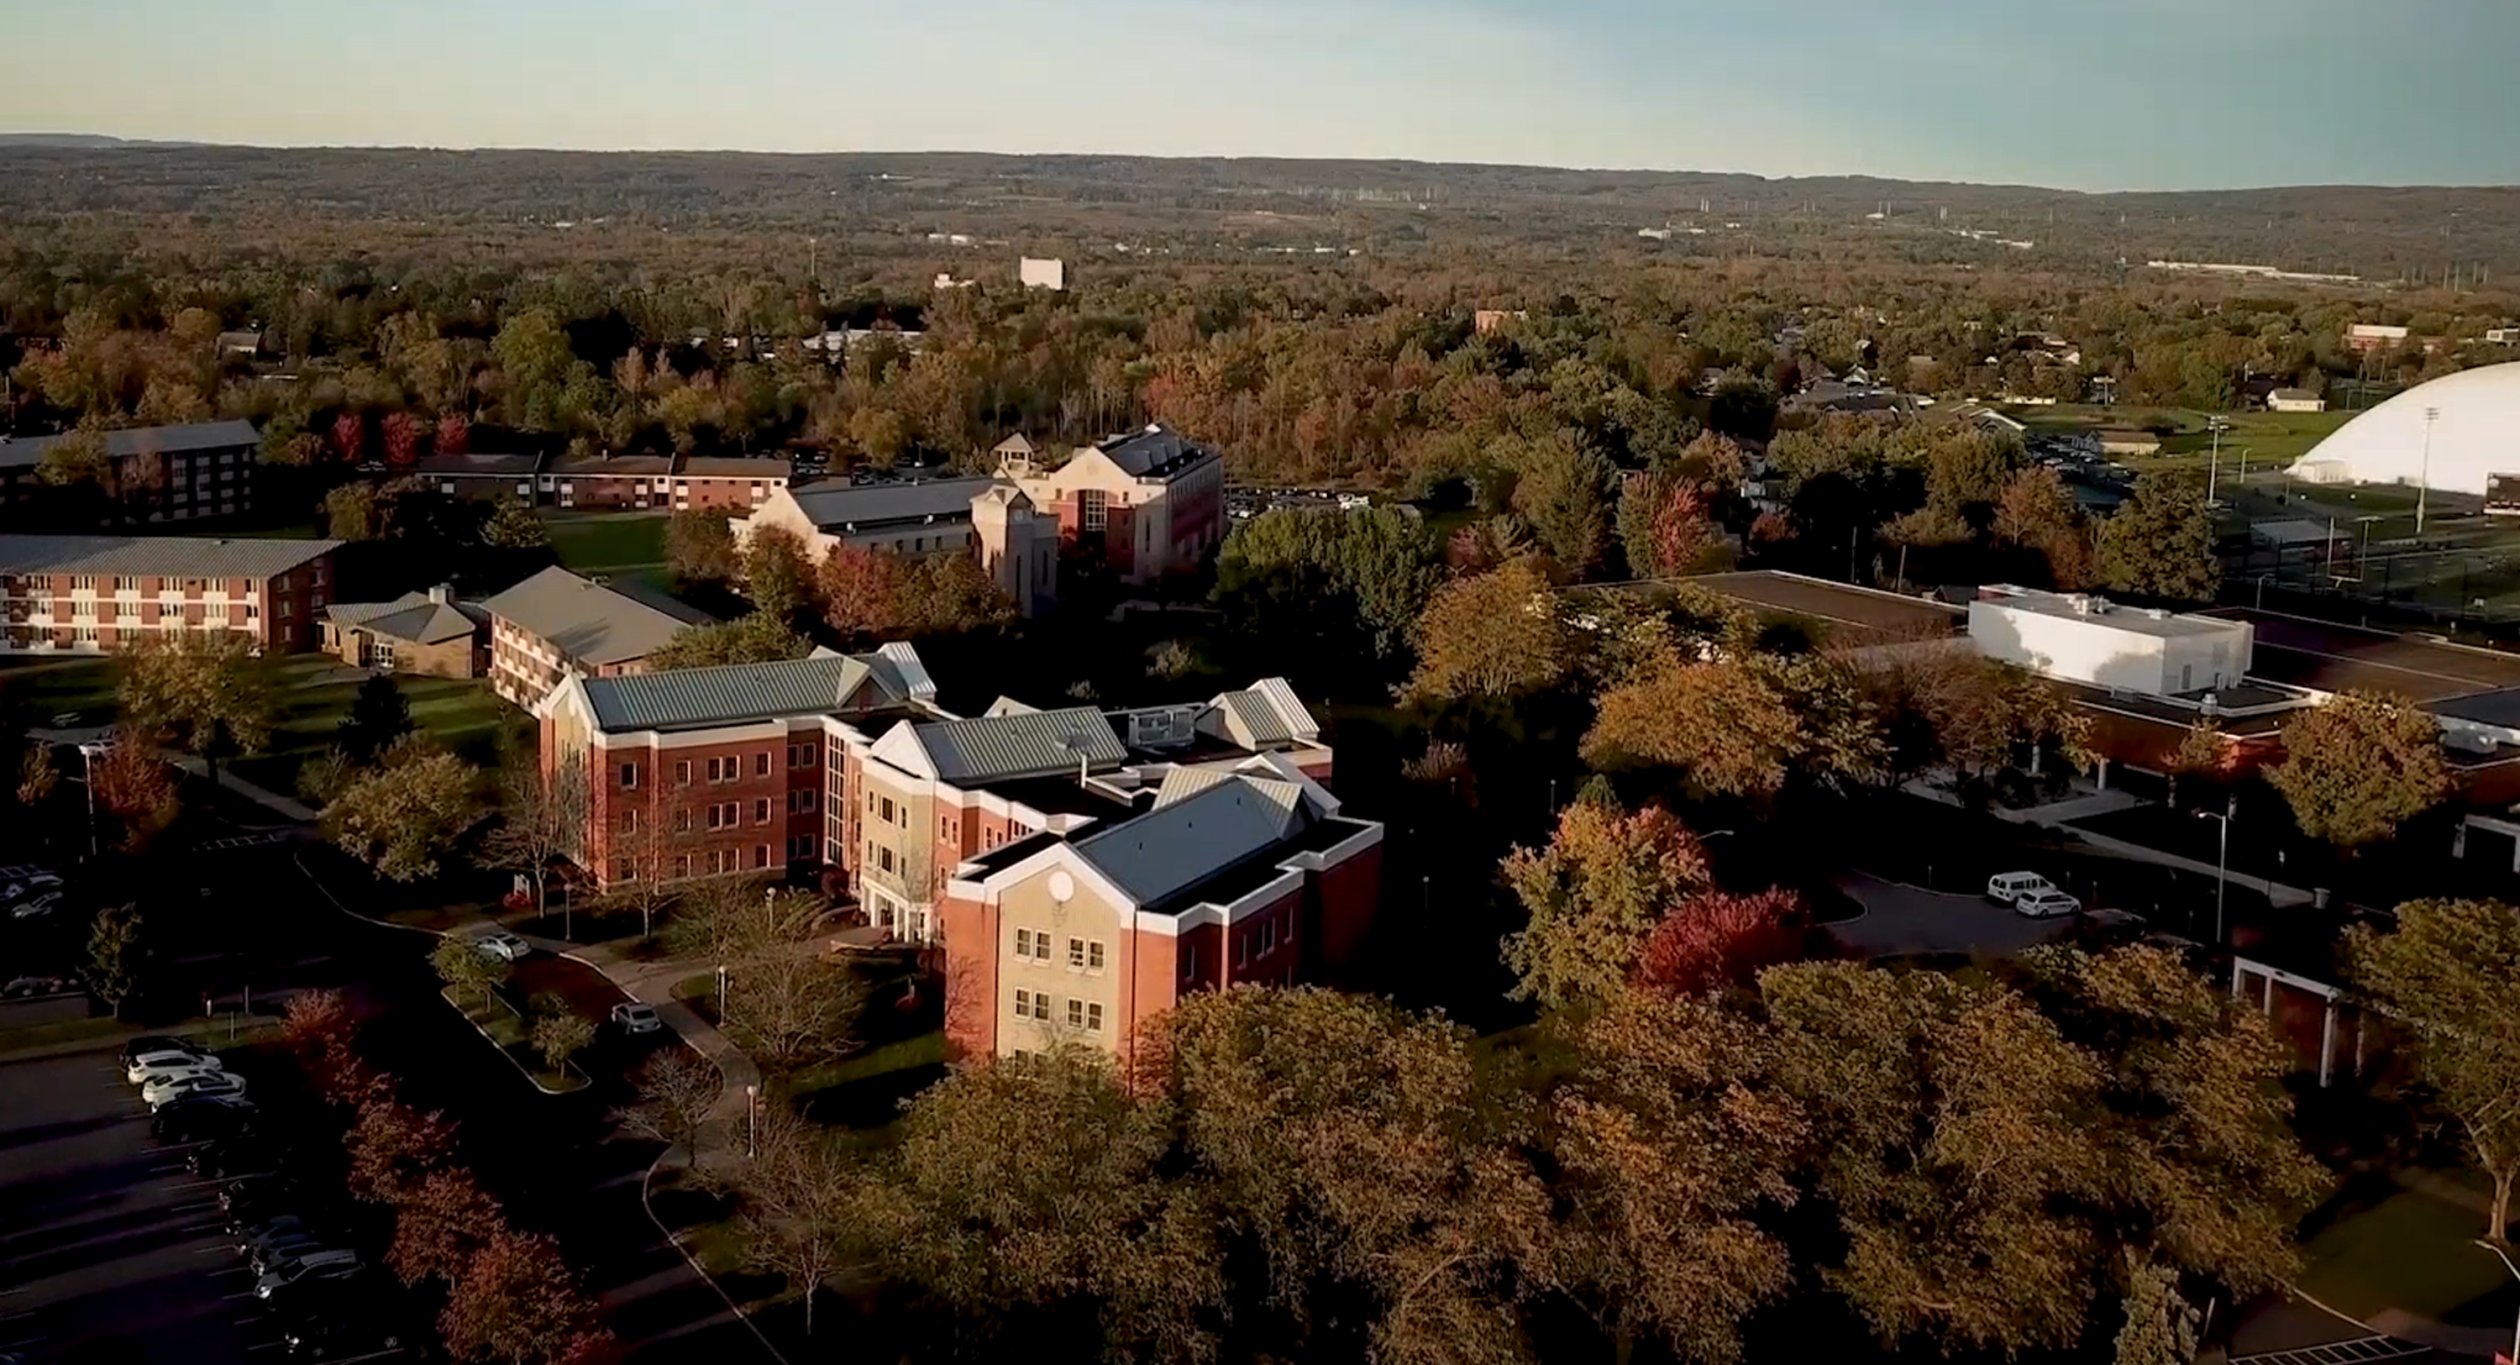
point(287, 808)
point(2059, 815)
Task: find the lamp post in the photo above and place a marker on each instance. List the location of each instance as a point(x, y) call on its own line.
point(2362, 563)
point(2423, 484)
point(2213, 461)
point(721, 995)
point(752, 1128)
point(2505, 1258)
point(2222, 862)
point(89, 752)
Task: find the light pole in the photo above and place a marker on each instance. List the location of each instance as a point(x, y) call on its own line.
point(2502, 1256)
point(2222, 862)
point(752, 1128)
point(2213, 461)
point(721, 995)
point(2423, 484)
point(2362, 563)
point(88, 754)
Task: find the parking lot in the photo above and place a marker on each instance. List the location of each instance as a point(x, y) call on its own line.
point(1901, 921)
point(110, 1253)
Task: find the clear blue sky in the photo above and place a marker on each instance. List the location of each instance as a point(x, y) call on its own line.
point(2090, 94)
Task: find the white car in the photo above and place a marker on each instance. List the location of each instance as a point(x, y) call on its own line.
point(149, 1066)
point(2005, 888)
point(635, 1017)
point(2048, 904)
point(201, 1083)
point(503, 946)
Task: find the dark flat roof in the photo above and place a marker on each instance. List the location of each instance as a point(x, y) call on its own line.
point(1852, 615)
point(2330, 658)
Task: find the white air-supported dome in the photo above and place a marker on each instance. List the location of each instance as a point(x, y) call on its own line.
point(2475, 433)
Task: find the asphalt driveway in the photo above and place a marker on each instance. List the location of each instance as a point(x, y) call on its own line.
point(1904, 921)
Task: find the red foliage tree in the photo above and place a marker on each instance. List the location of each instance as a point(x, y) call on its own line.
point(1714, 939)
point(517, 1303)
point(402, 439)
point(134, 786)
point(349, 437)
point(861, 590)
point(445, 1222)
point(319, 1030)
point(393, 1147)
point(454, 434)
point(1682, 530)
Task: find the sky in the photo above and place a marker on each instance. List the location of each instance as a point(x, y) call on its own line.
point(2080, 94)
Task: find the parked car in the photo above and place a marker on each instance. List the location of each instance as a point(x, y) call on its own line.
point(36, 907)
point(2006, 887)
point(27, 884)
point(633, 1017)
point(2048, 904)
point(284, 1282)
point(36, 985)
point(194, 1117)
point(155, 1044)
point(505, 947)
point(264, 1231)
point(158, 1066)
point(287, 1249)
point(228, 1158)
point(165, 1088)
point(338, 1331)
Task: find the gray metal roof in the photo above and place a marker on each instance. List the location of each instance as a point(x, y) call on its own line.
point(735, 467)
point(473, 464)
point(25, 451)
point(587, 621)
point(159, 556)
point(1178, 844)
point(832, 505)
point(1021, 744)
point(685, 697)
point(1154, 453)
point(414, 616)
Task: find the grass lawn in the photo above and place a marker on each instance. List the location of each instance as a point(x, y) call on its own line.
point(2410, 1251)
point(315, 692)
point(44, 688)
point(608, 543)
point(508, 1031)
point(2270, 440)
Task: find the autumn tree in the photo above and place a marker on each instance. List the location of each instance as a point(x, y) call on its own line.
point(861, 591)
point(1713, 939)
point(2443, 978)
point(1983, 716)
point(951, 594)
point(401, 432)
point(542, 818)
point(1346, 586)
point(466, 969)
point(676, 1093)
point(1563, 495)
point(205, 692)
point(392, 1147)
point(407, 815)
point(1594, 896)
point(796, 1194)
point(78, 458)
point(1741, 726)
point(788, 1009)
point(1665, 524)
point(349, 437)
point(440, 1224)
point(518, 1304)
point(2358, 766)
point(112, 972)
point(2039, 516)
point(1668, 1146)
point(512, 525)
point(2160, 543)
point(379, 715)
point(132, 784)
point(757, 637)
point(777, 575)
point(38, 777)
point(700, 547)
point(560, 1036)
point(1498, 635)
point(319, 1031)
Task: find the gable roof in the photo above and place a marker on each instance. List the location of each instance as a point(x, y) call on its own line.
point(414, 616)
point(1265, 715)
point(1155, 453)
point(866, 505)
point(684, 697)
point(1005, 745)
point(589, 622)
point(475, 464)
point(1176, 846)
point(26, 451)
point(159, 556)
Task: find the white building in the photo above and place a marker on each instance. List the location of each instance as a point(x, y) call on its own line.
point(2077, 638)
point(2295, 400)
point(1042, 274)
point(2455, 434)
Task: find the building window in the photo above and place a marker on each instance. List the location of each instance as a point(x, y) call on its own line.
point(761, 855)
point(629, 776)
point(884, 809)
point(761, 810)
point(1023, 942)
point(800, 755)
point(761, 764)
point(625, 870)
point(630, 821)
point(1094, 956)
point(682, 773)
point(801, 802)
point(1085, 1014)
point(1035, 1004)
point(884, 858)
point(1268, 937)
point(725, 769)
point(682, 819)
point(1023, 1003)
point(1093, 510)
point(726, 815)
point(1076, 952)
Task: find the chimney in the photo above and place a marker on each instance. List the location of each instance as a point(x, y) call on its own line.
point(443, 594)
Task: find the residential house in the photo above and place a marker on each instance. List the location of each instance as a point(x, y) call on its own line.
point(180, 473)
point(489, 478)
point(91, 594)
point(1149, 503)
point(430, 634)
point(557, 624)
point(990, 518)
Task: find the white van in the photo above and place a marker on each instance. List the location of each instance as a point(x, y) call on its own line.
point(2006, 887)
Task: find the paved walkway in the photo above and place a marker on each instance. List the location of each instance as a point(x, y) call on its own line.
point(287, 808)
point(2059, 815)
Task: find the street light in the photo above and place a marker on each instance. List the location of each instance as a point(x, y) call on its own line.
point(2502, 1256)
point(2423, 485)
point(2362, 565)
point(89, 752)
point(721, 995)
point(752, 1130)
point(2222, 862)
point(2213, 465)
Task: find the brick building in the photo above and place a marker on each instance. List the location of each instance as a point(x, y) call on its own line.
point(179, 473)
point(676, 483)
point(1082, 934)
point(556, 624)
point(1149, 503)
point(91, 594)
point(429, 634)
point(989, 518)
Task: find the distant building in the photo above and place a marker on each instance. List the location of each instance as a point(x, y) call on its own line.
point(2295, 400)
point(1149, 503)
point(993, 519)
point(92, 594)
point(480, 476)
point(556, 625)
point(246, 344)
point(430, 634)
point(677, 483)
point(945, 280)
point(2502, 336)
point(1489, 321)
point(182, 473)
point(2368, 336)
point(1042, 274)
point(2124, 441)
point(2080, 638)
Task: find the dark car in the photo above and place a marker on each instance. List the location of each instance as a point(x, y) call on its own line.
point(256, 1232)
point(147, 1043)
point(229, 1158)
point(250, 1199)
point(196, 1117)
point(310, 1289)
point(347, 1322)
point(282, 1248)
